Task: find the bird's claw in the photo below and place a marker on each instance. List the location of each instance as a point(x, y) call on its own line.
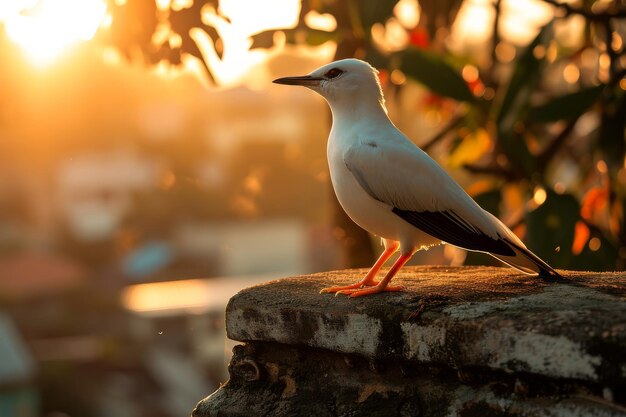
point(330, 290)
point(353, 293)
point(356, 286)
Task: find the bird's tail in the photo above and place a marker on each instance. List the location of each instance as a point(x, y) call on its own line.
point(527, 262)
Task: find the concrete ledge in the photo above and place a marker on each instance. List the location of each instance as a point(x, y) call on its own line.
point(485, 317)
point(453, 324)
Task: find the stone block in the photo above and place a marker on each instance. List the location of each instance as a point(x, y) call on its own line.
point(469, 341)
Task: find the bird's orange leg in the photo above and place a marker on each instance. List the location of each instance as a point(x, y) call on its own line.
point(383, 285)
point(369, 280)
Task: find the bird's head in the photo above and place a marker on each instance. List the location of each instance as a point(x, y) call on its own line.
point(348, 80)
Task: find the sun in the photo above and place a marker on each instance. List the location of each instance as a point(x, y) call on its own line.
point(46, 28)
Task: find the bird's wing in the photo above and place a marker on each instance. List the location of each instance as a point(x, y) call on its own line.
point(419, 191)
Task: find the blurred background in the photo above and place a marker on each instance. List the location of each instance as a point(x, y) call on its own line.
point(149, 169)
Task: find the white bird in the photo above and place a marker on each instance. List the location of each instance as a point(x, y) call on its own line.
point(393, 189)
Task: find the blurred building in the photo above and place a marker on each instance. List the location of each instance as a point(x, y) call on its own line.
point(18, 391)
point(95, 189)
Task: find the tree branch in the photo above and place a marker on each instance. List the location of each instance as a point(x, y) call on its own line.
point(495, 39)
point(548, 153)
point(495, 170)
point(613, 55)
point(588, 14)
point(454, 122)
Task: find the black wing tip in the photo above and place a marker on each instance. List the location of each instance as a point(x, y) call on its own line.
point(549, 274)
point(450, 228)
point(546, 272)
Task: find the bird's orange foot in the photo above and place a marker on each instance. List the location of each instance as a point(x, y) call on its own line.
point(371, 290)
point(355, 286)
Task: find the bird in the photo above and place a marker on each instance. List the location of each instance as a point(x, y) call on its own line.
point(393, 189)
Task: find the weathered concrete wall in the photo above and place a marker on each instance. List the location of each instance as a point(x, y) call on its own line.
point(459, 342)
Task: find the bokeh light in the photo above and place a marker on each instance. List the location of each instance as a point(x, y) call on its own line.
point(45, 28)
point(149, 169)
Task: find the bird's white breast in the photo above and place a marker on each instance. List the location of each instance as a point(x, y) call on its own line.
point(370, 214)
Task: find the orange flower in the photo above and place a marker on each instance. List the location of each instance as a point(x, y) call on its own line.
point(595, 200)
point(581, 236)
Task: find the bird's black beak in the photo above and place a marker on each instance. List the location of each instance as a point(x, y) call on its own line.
point(305, 80)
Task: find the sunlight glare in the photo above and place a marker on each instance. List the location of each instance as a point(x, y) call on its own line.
point(252, 16)
point(571, 73)
point(49, 27)
point(163, 5)
point(390, 37)
point(244, 18)
point(521, 20)
point(11, 8)
point(325, 21)
point(540, 196)
point(166, 295)
point(475, 22)
point(408, 13)
point(178, 5)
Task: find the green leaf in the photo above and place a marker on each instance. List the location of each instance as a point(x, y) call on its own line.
point(371, 12)
point(263, 40)
point(436, 74)
point(515, 101)
point(567, 107)
point(376, 58)
point(551, 226)
point(604, 259)
point(490, 201)
point(612, 127)
point(470, 149)
point(523, 81)
point(516, 150)
point(316, 37)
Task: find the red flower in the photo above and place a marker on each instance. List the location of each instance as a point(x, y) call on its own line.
point(418, 37)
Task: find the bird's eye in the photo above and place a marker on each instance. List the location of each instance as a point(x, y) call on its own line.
point(333, 73)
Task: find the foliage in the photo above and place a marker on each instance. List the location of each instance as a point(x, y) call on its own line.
point(428, 69)
point(531, 125)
